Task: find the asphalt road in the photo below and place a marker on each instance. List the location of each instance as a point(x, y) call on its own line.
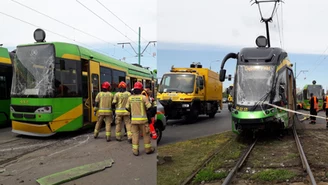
point(25, 159)
point(177, 131)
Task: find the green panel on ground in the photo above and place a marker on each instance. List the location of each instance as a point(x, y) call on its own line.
point(74, 173)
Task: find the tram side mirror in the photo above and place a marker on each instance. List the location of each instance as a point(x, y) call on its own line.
point(222, 75)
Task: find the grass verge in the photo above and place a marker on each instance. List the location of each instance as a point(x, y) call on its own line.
point(187, 156)
point(274, 175)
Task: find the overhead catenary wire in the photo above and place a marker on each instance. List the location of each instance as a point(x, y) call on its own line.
point(63, 23)
point(119, 19)
point(122, 22)
point(105, 21)
point(31, 24)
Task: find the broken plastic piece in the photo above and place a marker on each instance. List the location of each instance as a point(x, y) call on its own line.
point(75, 173)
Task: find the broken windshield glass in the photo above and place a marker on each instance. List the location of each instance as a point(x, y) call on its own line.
point(253, 82)
point(177, 83)
point(33, 71)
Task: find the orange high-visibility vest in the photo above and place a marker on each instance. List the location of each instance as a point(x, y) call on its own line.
point(326, 102)
point(315, 103)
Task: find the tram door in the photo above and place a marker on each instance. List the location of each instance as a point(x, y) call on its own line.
point(94, 86)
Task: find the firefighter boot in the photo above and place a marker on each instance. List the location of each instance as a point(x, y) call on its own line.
point(95, 134)
point(118, 136)
point(135, 149)
point(149, 149)
point(107, 136)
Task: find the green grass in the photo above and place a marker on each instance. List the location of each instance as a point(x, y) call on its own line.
point(187, 156)
point(273, 175)
point(209, 175)
point(224, 159)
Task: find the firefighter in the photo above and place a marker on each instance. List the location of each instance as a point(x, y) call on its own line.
point(325, 106)
point(313, 108)
point(103, 104)
point(120, 100)
point(140, 107)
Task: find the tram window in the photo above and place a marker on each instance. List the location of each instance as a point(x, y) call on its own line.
point(148, 84)
point(281, 79)
point(127, 81)
point(68, 78)
point(95, 85)
point(3, 87)
point(118, 76)
point(105, 75)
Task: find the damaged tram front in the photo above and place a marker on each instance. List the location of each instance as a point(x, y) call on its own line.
point(263, 75)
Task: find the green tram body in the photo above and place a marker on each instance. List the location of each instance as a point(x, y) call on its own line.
point(303, 98)
point(257, 72)
point(61, 97)
point(5, 83)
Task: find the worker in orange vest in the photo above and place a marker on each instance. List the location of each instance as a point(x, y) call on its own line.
point(103, 104)
point(120, 100)
point(326, 108)
point(314, 108)
point(139, 106)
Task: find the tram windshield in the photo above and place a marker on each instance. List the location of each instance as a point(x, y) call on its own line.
point(177, 83)
point(33, 71)
point(316, 90)
point(253, 83)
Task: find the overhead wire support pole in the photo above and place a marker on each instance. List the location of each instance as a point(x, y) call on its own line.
point(139, 53)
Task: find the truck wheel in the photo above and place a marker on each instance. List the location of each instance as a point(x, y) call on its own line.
point(212, 115)
point(159, 135)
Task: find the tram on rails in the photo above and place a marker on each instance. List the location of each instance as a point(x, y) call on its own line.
point(6, 73)
point(263, 75)
point(303, 97)
point(54, 85)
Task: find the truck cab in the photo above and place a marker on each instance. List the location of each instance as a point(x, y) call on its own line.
point(189, 92)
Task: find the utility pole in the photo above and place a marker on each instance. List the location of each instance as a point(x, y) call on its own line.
point(139, 54)
point(295, 70)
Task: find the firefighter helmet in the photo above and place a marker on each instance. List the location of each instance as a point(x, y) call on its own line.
point(122, 85)
point(138, 85)
point(105, 85)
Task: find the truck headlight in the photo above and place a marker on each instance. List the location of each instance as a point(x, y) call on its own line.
point(185, 105)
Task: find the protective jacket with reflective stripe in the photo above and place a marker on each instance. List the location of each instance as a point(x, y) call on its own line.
point(105, 103)
point(120, 99)
point(138, 105)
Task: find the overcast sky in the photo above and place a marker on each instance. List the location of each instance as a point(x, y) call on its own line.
point(134, 13)
point(237, 23)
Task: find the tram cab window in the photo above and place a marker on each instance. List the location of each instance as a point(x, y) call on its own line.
point(68, 78)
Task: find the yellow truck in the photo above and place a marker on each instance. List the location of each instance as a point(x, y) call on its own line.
point(190, 92)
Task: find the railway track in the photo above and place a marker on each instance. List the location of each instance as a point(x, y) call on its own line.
point(242, 159)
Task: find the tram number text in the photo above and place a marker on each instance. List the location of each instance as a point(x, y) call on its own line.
point(242, 108)
point(24, 101)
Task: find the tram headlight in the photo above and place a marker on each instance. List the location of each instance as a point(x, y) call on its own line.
point(185, 105)
point(46, 109)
